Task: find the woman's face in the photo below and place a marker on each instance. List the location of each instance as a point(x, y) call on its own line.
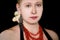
point(31, 10)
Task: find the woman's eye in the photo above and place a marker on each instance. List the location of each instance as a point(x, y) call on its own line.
point(28, 5)
point(39, 5)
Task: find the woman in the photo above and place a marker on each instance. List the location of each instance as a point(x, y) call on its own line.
point(30, 11)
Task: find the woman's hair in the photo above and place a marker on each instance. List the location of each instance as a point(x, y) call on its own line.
point(18, 1)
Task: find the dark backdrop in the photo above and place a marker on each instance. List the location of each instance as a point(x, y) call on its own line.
point(50, 18)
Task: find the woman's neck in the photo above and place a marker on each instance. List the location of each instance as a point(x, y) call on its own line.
point(33, 28)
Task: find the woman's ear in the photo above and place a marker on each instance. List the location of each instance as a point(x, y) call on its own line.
point(18, 8)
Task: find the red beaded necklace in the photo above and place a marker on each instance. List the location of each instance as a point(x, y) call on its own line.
point(28, 36)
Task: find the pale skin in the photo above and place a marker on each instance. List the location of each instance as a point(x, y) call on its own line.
point(29, 8)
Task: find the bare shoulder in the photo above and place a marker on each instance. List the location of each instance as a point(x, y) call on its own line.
point(9, 33)
point(53, 34)
point(15, 28)
point(10, 30)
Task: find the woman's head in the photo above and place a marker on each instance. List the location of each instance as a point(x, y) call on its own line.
point(31, 10)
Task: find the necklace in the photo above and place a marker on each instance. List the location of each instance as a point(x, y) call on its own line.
point(28, 36)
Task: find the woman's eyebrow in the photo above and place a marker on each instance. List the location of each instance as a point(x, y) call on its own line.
point(36, 2)
point(39, 2)
point(27, 3)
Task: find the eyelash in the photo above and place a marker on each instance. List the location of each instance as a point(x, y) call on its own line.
point(38, 5)
point(28, 5)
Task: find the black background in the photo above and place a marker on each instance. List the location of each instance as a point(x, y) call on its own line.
point(50, 18)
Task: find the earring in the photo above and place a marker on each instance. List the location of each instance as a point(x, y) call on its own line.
point(16, 17)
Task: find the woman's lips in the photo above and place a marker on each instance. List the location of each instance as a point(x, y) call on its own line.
point(33, 17)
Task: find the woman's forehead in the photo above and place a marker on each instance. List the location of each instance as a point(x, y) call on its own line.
point(31, 1)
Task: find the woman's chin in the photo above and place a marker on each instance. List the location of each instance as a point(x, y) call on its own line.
point(32, 22)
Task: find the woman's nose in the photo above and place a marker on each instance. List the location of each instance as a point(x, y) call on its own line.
point(34, 10)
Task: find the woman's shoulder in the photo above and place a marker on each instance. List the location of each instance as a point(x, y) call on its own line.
point(52, 34)
point(15, 28)
point(10, 30)
point(9, 33)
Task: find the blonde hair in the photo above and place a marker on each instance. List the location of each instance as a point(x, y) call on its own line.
point(19, 1)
